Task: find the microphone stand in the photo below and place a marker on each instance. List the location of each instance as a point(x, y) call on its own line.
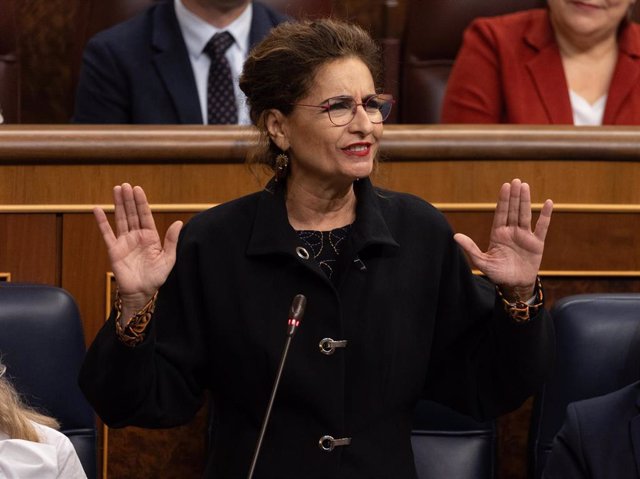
point(295, 316)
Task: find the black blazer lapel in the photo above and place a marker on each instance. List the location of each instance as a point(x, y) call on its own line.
point(171, 59)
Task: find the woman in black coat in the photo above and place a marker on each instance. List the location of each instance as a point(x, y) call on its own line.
point(393, 314)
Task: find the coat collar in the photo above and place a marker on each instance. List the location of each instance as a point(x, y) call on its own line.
point(546, 68)
point(171, 59)
point(272, 232)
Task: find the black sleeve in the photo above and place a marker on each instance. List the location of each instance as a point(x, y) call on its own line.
point(566, 459)
point(160, 382)
point(483, 363)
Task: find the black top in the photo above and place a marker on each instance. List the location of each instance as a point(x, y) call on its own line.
point(325, 246)
point(417, 321)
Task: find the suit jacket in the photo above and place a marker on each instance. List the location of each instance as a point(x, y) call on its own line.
point(139, 71)
point(600, 438)
point(509, 70)
point(417, 322)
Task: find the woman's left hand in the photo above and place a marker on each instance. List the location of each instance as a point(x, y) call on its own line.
point(514, 255)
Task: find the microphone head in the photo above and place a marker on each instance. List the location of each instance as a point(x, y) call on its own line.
point(296, 311)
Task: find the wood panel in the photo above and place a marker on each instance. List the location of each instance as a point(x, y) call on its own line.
point(51, 176)
point(29, 247)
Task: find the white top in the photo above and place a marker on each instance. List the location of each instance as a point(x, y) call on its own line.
point(53, 458)
point(197, 33)
point(585, 113)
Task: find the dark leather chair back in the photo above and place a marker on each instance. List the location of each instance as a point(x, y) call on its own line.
point(598, 352)
point(432, 36)
point(42, 345)
point(447, 444)
point(9, 63)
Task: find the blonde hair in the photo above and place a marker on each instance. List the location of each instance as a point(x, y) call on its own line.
point(16, 416)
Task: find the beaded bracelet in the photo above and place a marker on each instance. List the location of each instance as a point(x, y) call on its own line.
point(133, 332)
point(521, 311)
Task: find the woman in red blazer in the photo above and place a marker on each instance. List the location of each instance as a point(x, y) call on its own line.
point(521, 67)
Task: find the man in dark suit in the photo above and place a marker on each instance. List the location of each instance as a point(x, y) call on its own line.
point(600, 438)
point(152, 69)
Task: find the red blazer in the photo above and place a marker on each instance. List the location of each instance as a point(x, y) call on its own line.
point(509, 70)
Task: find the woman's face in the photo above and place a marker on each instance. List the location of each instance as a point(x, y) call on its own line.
point(588, 18)
point(323, 155)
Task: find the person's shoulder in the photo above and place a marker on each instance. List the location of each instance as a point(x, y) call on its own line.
point(512, 24)
point(51, 436)
point(134, 28)
point(410, 208)
point(236, 213)
point(273, 16)
point(615, 402)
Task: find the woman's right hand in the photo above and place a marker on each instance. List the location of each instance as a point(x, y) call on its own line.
point(139, 261)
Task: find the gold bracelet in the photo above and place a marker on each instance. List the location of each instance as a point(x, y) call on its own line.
point(133, 333)
point(521, 311)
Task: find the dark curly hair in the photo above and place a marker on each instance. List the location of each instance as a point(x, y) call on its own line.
point(281, 69)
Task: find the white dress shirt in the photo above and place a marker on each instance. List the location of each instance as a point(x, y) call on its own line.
point(197, 33)
point(52, 458)
point(585, 113)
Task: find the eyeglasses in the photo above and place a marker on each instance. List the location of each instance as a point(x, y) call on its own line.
point(342, 109)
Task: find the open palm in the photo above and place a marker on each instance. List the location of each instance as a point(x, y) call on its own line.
point(514, 255)
point(139, 261)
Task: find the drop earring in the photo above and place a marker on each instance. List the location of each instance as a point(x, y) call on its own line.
point(282, 165)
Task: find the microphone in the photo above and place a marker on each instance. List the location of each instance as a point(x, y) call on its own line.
point(296, 311)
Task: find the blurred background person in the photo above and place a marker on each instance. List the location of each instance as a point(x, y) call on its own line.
point(177, 62)
point(30, 445)
point(394, 313)
point(576, 62)
point(600, 438)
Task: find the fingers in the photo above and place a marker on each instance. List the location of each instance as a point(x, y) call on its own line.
point(514, 205)
point(524, 219)
point(131, 209)
point(514, 202)
point(502, 207)
point(542, 225)
point(471, 248)
point(122, 226)
point(142, 207)
point(171, 240)
point(104, 226)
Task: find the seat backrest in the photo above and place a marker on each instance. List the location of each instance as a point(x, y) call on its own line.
point(598, 352)
point(447, 444)
point(42, 345)
point(9, 63)
point(432, 36)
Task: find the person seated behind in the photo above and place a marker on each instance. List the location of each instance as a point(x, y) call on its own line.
point(155, 67)
point(30, 445)
point(394, 312)
point(600, 438)
point(575, 63)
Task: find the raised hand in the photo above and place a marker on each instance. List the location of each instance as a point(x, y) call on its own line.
point(514, 255)
point(139, 260)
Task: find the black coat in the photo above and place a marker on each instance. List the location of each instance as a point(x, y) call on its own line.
point(418, 324)
point(139, 71)
point(600, 438)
